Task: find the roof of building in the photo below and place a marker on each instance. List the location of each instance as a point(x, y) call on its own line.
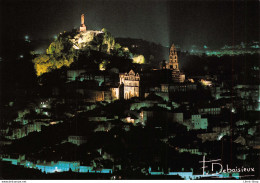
point(154, 97)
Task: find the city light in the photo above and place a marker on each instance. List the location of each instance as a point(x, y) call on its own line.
point(26, 38)
point(158, 93)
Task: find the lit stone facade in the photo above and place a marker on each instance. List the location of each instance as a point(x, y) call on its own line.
point(114, 93)
point(173, 59)
point(129, 83)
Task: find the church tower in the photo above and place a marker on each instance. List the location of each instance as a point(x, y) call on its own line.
point(173, 65)
point(173, 59)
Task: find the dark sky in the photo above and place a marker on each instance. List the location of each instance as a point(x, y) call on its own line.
point(206, 22)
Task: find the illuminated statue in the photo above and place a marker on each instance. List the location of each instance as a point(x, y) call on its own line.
point(82, 19)
point(82, 26)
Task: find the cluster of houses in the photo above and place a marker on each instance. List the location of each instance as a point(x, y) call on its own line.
point(75, 166)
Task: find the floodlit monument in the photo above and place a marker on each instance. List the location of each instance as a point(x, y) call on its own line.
point(82, 28)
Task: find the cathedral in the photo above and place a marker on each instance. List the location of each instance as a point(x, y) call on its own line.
point(172, 64)
point(129, 85)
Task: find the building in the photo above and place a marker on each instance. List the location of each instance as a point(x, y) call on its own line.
point(182, 87)
point(98, 77)
point(190, 175)
point(77, 140)
point(19, 133)
point(73, 74)
point(114, 92)
point(191, 151)
point(175, 117)
point(198, 122)
point(173, 65)
point(210, 109)
point(32, 127)
point(129, 85)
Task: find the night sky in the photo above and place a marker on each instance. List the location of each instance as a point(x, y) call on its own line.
point(207, 22)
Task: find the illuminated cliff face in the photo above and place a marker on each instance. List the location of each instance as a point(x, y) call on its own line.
point(139, 59)
point(86, 38)
point(63, 51)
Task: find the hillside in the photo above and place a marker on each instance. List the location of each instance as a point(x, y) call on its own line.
point(153, 53)
point(72, 46)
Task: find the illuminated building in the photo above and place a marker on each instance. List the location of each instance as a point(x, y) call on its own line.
point(162, 92)
point(114, 93)
point(131, 117)
point(24, 130)
point(191, 151)
point(32, 127)
point(88, 76)
point(173, 65)
point(198, 122)
point(210, 109)
point(98, 117)
point(129, 85)
point(182, 87)
point(73, 74)
point(173, 59)
point(96, 95)
point(77, 140)
point(206, 82)
point(222, 130)
point(19, 133)
point(53, 167)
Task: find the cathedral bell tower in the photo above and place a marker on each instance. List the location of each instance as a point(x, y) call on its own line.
point(173, 59)
point(173, 65)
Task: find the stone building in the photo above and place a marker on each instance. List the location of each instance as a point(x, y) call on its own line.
point(173, 65)
point(199, 122)
point(129, 85)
